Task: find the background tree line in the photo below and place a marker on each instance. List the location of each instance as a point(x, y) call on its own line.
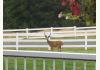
point(43, 13)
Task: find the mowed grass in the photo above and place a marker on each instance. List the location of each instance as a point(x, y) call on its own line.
point(33, 37)
point(72, 49)
point(49, 62)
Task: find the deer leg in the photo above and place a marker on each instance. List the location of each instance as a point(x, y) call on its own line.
point(59, 48)
point(51, 48)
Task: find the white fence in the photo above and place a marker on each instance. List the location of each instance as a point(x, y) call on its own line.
point(51, 55)
point(52, 28)
point(48, 54)
point(19, 37)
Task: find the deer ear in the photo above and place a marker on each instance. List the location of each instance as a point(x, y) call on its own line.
point(45, 35)
point(49, 35)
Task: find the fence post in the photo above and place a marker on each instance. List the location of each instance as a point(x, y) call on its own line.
point(24, 63)
point(15, 60)
point(86, 40)
point(44, 65)
point(34, 64)
point(51, 31)
point(84, 65)
point(17, 43)
point(95, 66)
point(74, 65)
point(64, 65)
point(6, 63)
point(53, 64)
point(75, 31)
point(27, 32)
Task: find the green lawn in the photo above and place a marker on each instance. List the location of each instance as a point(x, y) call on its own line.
point(32, 37)
point(79, 49)
point(39, 61)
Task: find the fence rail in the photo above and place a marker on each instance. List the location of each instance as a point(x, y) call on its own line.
point(79, 37)
point(64, 56)
point(67, 34)
point(46, 54)
point(74, 27)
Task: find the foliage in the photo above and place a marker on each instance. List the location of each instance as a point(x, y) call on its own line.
point(88, 8)
point(40, 13)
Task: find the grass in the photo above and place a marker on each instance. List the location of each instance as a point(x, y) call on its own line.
point(49, 62)
point(72, 49)
point(30, 37)
point(39, 61)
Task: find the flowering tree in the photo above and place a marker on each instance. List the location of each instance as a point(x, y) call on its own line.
point(73, 5)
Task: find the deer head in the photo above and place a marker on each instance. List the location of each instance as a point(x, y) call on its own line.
point(47, 37)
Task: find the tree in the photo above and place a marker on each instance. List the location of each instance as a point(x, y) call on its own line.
point(40, 13)
point(88, 8)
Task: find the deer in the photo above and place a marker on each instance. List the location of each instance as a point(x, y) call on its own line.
point(53, 43)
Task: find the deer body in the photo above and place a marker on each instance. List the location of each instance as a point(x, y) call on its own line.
point(54, 43)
